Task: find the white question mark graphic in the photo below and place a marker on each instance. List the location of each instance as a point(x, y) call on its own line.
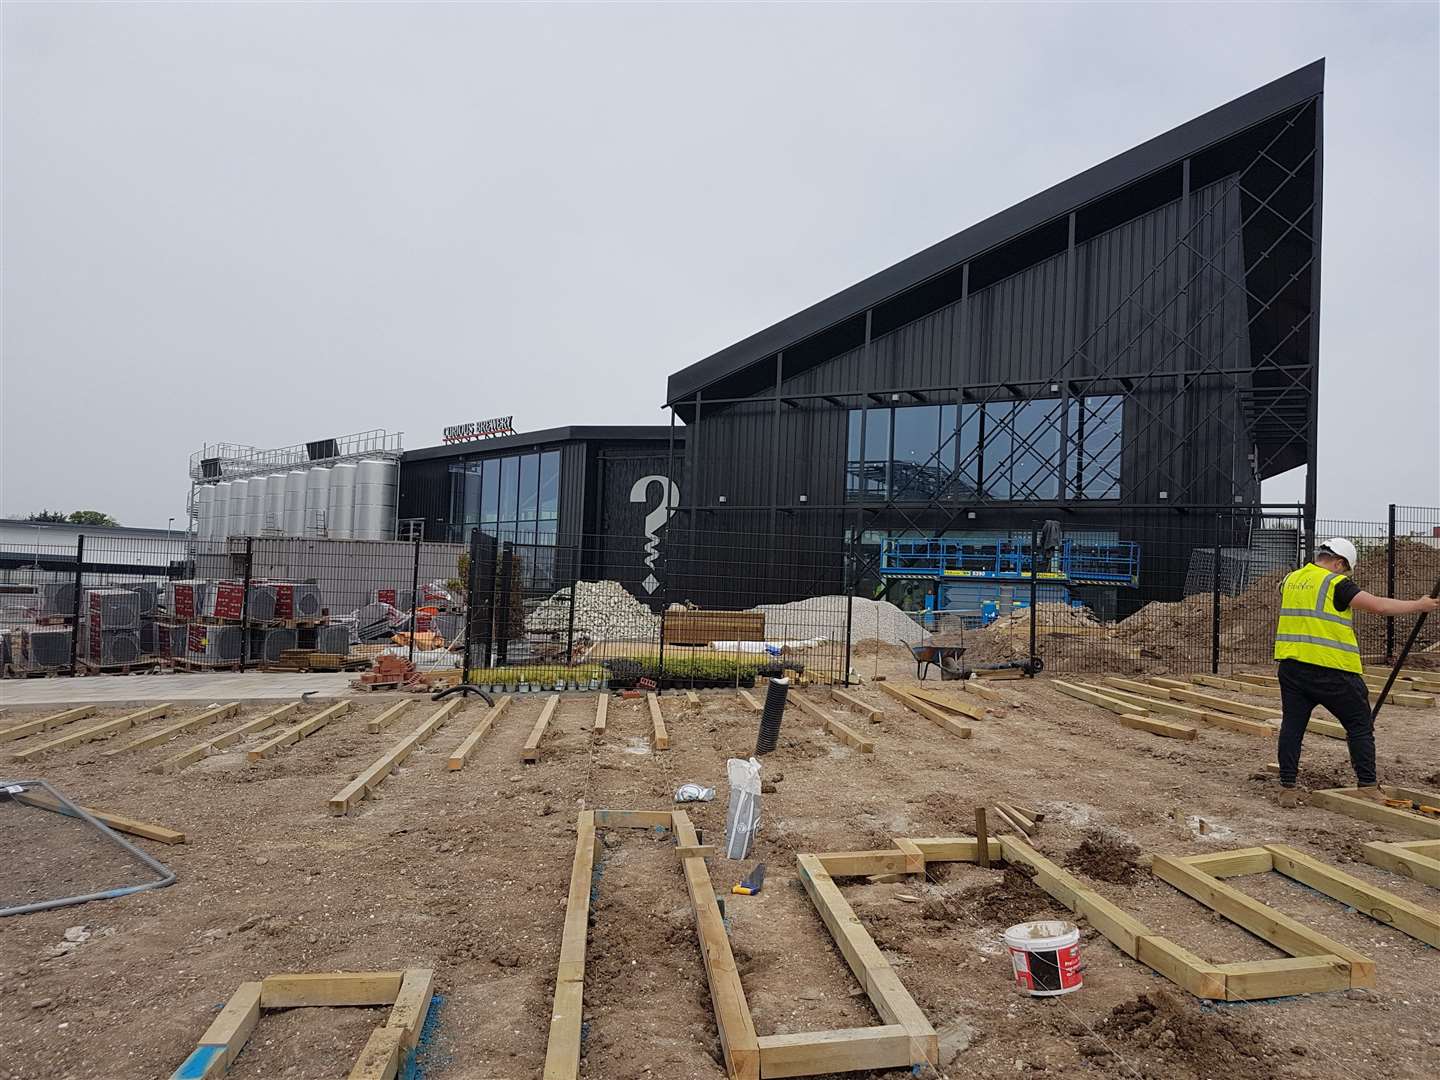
point(656, 519)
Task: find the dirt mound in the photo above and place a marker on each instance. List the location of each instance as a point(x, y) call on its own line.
point(1106, 856)
point(1015, 899)
point(1194, 1042)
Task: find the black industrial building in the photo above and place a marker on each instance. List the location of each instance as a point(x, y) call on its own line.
point(1130, 353)
point(597, 491)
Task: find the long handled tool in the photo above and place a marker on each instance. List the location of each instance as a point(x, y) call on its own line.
point(1404, 654)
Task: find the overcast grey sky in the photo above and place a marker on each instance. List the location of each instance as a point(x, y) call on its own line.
point(269, 223)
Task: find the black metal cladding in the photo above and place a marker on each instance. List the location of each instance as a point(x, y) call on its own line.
point(1183, 280)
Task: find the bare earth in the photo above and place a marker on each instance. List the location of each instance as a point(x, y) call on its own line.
point(467, 872)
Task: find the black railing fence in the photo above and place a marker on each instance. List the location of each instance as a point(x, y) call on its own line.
point(1162, 592)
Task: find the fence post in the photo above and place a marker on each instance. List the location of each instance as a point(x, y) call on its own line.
point(1034, 605)
point(414, 601)
point(570, 624)
point(664, 607)
point(472, 603)
point(1390, 588)
point(1215, 602)
point(245, 604)
point(79, 586)
point(850, 577)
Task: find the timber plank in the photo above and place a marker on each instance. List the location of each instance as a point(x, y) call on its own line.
point(945, 701)
point(1157, 727)
point(955, 848)
point(461, 753)
point(1237, 863)
point(1285, 976)
point(687, 840)
point(388, 717)
point(164, 734)
point(188, 757)
point(930, 712)
point(1261, 919)
point(692, 698)
point(1380, 904)
point(1218, 719)
point(411, 1004)
point(839, 1050)
point(1342, 801)
point(299, 731)
point(233, 1027)
point(1404, 860)
point(980, 690)
point(380, 1059)
point(862, 863)
point(45, 723)
point(1223, 704)
point(330, 989)
point(850, 701)
point(360, 788)
point(1122, 929)
point(661, 737)
point(846, 735)
point(749, 700)
point(738, 1040)
point(531, 751)
point(1181, 966)
point(90, 734)
point(602, 711)
point(1092, 696)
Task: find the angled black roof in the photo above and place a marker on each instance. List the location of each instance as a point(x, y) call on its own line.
point(525, 439)
point(1120, 171)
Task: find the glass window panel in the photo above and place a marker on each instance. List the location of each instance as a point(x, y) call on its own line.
point(490, 495)
point(1096, 443)
point(457, 495)
point(853, 465)
point(996, 443)
point(473, 471)
point(509, 487)
point(877, 452)
point(917, 441)
point(967, 453)
point(945, 457)
point(550, 485)
point(1035, 464)
point(529, 486)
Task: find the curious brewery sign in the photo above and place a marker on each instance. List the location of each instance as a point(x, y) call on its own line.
point(480, 429)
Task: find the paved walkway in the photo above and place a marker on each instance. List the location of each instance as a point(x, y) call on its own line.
point(221, 686)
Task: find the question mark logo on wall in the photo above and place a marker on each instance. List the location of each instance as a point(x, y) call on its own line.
point(655, 520)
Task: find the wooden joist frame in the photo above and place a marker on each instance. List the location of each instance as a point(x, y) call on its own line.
point(45, 723)
point(389, 716)
point(1380, 904)
point(660, 737)
point(1157, 726)
point(945, 701)
point(1214, 701)
point(1344, 801)
point(299, 731)
point(1418, 859)
point(846, 735)
point(118, 822)
point(1163, 704)
point(461, 753)
point(531, 750)
point(169, 731)
point(176, 762)
point(1092, 696)
point(930, 712)
point(359, 789)
point(408, 993)
point(96, 731)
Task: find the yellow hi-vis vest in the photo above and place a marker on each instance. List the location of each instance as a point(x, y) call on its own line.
point(1310, 629)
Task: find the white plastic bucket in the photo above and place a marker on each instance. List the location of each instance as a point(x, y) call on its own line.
point(1046, 957)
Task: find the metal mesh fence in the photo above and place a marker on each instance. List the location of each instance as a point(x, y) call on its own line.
point(1156, 593)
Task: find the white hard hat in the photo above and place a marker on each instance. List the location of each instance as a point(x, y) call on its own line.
point(1338, 545)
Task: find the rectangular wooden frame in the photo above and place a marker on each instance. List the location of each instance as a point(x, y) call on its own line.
point(1418, 859)
point(359, 789)
point(1342, 801)
point(408, 993)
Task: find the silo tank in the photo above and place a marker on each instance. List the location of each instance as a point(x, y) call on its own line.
point(340, 510)
point(220, 512)
point(239, 507)
point(317, 504)
point(255, 505)
point(204, 511)
point(376, 483)
point(294, 523)
point(275, 502)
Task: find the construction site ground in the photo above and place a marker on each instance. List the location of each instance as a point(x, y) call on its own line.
point(467, 872)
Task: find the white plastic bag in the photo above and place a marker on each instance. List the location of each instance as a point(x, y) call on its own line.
point(742, 815)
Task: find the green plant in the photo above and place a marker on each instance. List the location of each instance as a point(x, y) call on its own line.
point(543, 674)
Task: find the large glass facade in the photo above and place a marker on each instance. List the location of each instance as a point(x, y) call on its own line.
point(1002, 450)
point(515, 498)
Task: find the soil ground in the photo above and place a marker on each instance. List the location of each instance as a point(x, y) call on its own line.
point(467, 872)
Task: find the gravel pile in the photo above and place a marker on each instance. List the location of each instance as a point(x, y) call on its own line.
point(604, 611)
point(824, 617)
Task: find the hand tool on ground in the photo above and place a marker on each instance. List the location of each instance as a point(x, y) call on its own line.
point(752, 884)
point(1404, 655)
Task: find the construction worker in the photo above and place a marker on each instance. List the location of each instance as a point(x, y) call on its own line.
point(1319, 660)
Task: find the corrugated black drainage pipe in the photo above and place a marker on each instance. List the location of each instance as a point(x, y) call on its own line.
point(771, 716)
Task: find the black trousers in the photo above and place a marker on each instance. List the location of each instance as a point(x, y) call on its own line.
point(1304, 686)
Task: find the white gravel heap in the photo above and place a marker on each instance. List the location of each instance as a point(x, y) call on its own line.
point(604, 611)
point(824, 617)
